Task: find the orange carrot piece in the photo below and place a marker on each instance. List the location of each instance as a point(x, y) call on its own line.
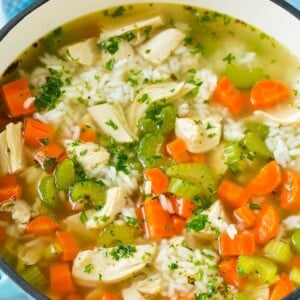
point(157, 221)
point(60, 279)
point(36, 133)
point(8, 180)
point(87, 134)
point(159, 181)
point(10, 192)
point(109, 296)
point(242, 243)
point(15, 94)
point(68, 244)
point(182, 207)
point(41, 225)
point(229, 96)
point(290, 191)
point(178, 151)
point(74, 296)
point(282, 288)
point(178, 224)
point(268, 92)
point(245, 216)
point(47, 156)
point(267, 224)
point(2, 235)
point(198, 157)
point(295, 262)
point(266, 181)
point(232, 194)
point(228, 270)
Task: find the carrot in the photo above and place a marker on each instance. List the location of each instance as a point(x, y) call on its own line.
point(157, 221)
point(229, 272)
point(109, 296)
point(266, 181)
point(159, 181)
point(68, 244)
point(73, 296)
point(182, 207)
point(15, 95)
point(295, 262)
point(178, 224)
point(245, 216)
point(41, 225)
point(60, 279)
point(229, 96)
point(178, 151)
point(9, 188)
point(290, 191)
point(232, 194)
point(267, 224)
point(37, 133)
point(8, 180)
point(242, 243)
point(282, 288)
point(198, 157)
point(87, 134)
point(268, 92)
point(47, 156)
point(2, 235)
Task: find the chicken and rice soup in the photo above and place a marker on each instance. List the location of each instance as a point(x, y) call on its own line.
point(152, 152)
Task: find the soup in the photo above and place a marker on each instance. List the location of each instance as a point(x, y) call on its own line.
point(151, 152)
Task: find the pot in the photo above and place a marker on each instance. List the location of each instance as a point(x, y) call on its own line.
point(276, 18)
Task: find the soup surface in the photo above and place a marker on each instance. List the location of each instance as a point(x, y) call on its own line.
point(152, 152)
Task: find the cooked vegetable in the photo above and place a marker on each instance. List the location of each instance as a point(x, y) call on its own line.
point(48, 192)
point(295, 239)
point(178, 151)
point(229, 272)
point(290, 191)
point(278, 251)
point(233, 156)
point(245, 216)
point(258, 128)
point(184, 188)
point(34, 276)
point(68, 245)
point(159, 181)
point(65, 174)
point(183, 207)
point(282, 288)
point(41, 225)
point(256, 145)
point(9, 188)
point(294, 275)
point(87, 134)
point(60, 279)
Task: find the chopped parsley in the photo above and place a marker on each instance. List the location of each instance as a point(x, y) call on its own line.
point(110, 64)
point(129, 36)
point(134, 222)
point(197, 223)
point(119, 11)
point(83, 217)
point(111, 45)
point(254, 206)
point(173, 266)
point(144, 98)
point(122, 251)
point(229, 58)
point(112, 124)
point(88, 268)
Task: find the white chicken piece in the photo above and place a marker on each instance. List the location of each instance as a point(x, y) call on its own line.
point(111, 120)
point(11, 149)
point(159, 48)
point(131, 293)
point(110, 265)
point(125, 51)
point(91, 156)
point(19, 209)
point(115, 201)
point(200, 135)
point(85, 52)
point(151, 285)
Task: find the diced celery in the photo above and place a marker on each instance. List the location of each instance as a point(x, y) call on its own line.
point(278, 251)
point(48, 192)
point(240, 296)
point(199, 174)
point(265, 268)
point(146, 125)
point(295, 275)
point(243, 76)
point(34, 276)
point(167, 119)
point(65, 175)
point(52, 251)
point(257, 128)
point(183, 188)
point(256, 145)
point(88, 192)
point(295, 239)
point(233, 156)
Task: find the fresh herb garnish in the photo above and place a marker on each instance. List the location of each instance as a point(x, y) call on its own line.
point(134, 222)
point(229, 58)
point(111, 45)
point(197, 223)
point(112, 124)
point(254, 206)
point(119, 11)
point(122, 251)
point(88, 268)
point(110, 64)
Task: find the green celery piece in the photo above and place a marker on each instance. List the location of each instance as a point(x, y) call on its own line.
point(257, 128)
point(65, 175)
point(52, 251)
point(243, 76)
point(240, 296)
point(295, 240)
point(183, 188)
point(256, 145)
point(34, 276)
point(88, 191)
point(48, 192)
point(167, 119)
point(265, 268)
point(295, 275)
point(233, 156)
point(278, 251)
point(146, 125)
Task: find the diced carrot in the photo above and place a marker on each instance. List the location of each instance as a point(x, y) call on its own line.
point(290, 191)
point(242, 243)
point(182, 207)
point(109, 296)
point(15, 94)
point(229, 272)
point(2, 235)
point(159, 181)
point(267, 224)
point(158, 222)
point(198, 157)
point(229, 96)
point(282, 288)
point(245, 216)
point(60, 279)
point(36, 133)
point(266, 181)
point(10, 192)
point(41, 225)
point(8, 180)
point(87, 134)
point(295, 262)
point(47, 156)
point(74, 296)
point(178, 224)
point(68, 244)
point(232, 194)
point(268, 92)
point(178, 151)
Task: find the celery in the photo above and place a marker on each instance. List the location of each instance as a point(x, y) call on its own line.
point(295, 275)
point(295, 239)
point(233, 156)
point(34, 276)
point(146, 125)
point(65, 174)
point(48, 192)
point(256, 145)
point(52, 251)
point(278, 251)
point(243, 76)
point(240, 296)
point(167, 117)
point(257, 128)
point(88, 192)
point(183, 188)
point(265, 268)
point(200, 175)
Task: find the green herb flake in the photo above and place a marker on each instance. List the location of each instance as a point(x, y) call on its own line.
point(134, 222)
point(110, 64)
point(83, 217)
point(254, 206)
point(112, 124)
point(173, 266)
point(229, 58)
point(129, 36)
point(118, 12)
point(197, 223)
point(111, 45)
point(122, 251)
point(144, 98)
point(88, 268)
